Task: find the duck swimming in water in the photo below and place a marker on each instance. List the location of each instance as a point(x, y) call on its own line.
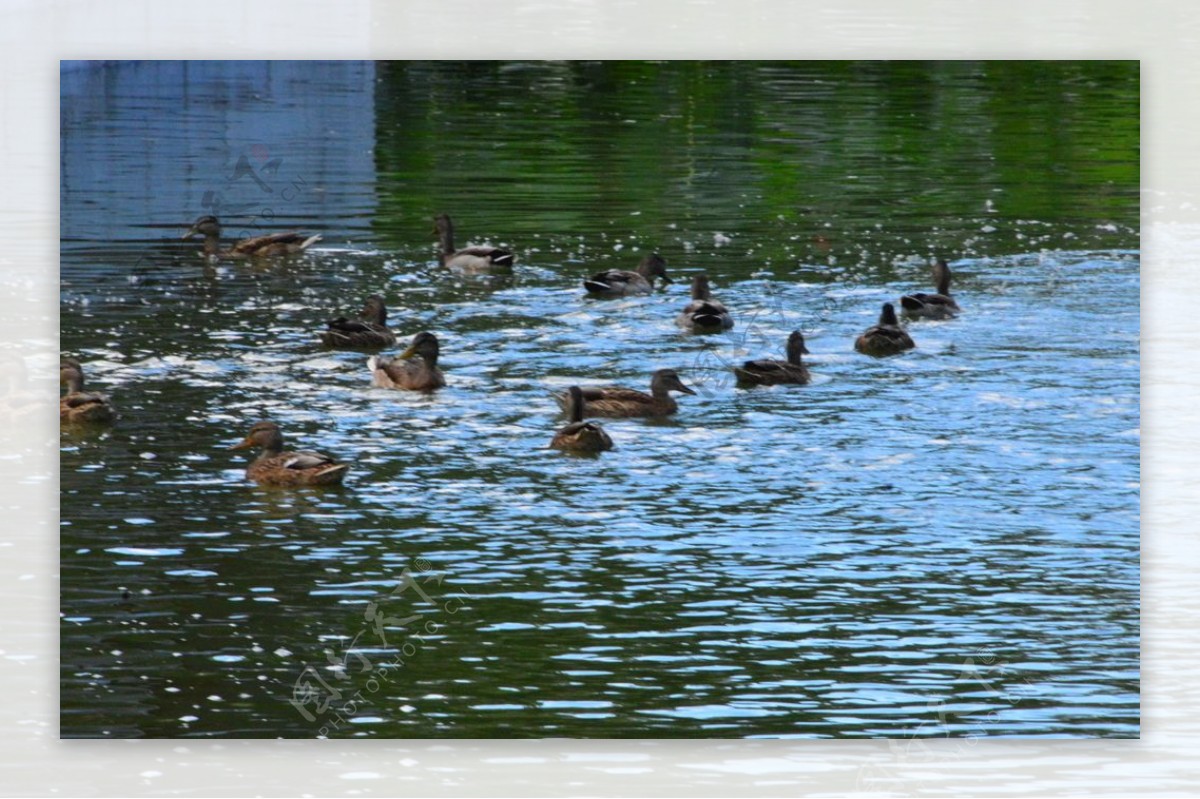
point(78, 406)
point(941, 305)
point(624, 283)
point(421, 374)
point(469, 260)
point(769, 372)
point(369, 330)
point(258, 247)
point(276, 466)
point(578, 435)
point(886, 337)
point(618, 401)
point(704, 314)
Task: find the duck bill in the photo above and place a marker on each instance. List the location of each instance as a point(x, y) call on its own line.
point(189, 234)
point(684, 389)
point(407, 354)
point(666, 279)
point(245, 444)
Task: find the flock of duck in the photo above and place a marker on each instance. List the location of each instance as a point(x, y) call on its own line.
point(416, 368)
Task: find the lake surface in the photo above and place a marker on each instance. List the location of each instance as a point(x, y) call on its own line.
point(940, 543)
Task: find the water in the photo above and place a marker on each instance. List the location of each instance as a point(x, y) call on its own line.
point(942, 543)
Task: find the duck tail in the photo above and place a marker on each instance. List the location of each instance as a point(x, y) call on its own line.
point(910, 303)
point(311, 240)
point(334, 473)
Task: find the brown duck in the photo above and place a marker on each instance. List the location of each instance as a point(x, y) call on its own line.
point(275, 466)
point(617, 401)
point(768, 372)
point(941, 305)
point(469, 260)
point(257, 247)
point(369, 330)
point(421, 374)
point(704, 314)
point(624, 283)
point(78, 406)
point(886, 337)
point(578, 435)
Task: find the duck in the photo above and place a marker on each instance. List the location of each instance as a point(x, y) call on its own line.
point(78, 406)
point(624, 283)
point(276, 466)
point(469, 260)
point(617, 401)
point(369, 330)
point(886, 337)
point(769, 372)
point(932, 306)
point(704, 314)
point(258, 247)
point(578, 435)
point(419, 375)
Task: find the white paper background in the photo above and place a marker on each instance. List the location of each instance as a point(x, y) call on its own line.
point(1163, 35)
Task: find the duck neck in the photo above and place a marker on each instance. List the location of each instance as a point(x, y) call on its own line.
point(376, 314)
point(212, 244)
point(446, 236)
point(576, 406)
point(943, 280)
point(647, 268)
point(74, 382)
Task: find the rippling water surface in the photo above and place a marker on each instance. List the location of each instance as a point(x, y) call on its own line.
point(941, 543)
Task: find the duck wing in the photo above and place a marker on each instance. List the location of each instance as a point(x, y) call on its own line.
point(616, 281)
point(415, 375)
point(344, 325)
point(290, 239)
point(765, 366)
point(615, 393)
point(707, 314)
point(887, 332)
point(83, 399)
point(498, 256)
point(343, 332)
point(306, 460)
point(928, 304)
